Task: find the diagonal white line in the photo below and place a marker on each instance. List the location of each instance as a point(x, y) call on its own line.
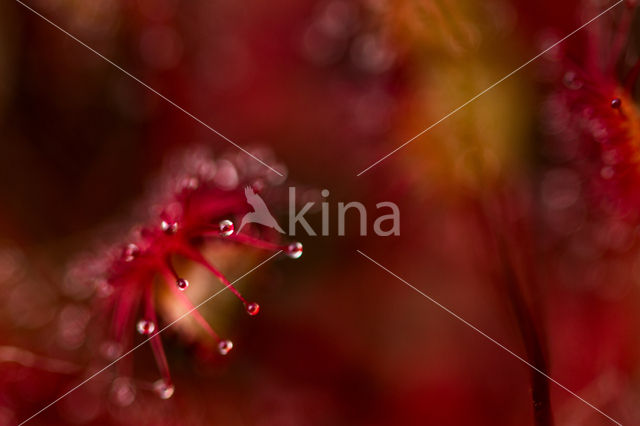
point(482, 333)
point(146, 340)
point(151, 88)
point(490, 87)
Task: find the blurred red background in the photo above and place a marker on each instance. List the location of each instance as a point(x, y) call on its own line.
point(329, 87)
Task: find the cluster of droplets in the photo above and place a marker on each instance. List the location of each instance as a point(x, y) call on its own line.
point(338, 30)
point(147, 327)
point(183, 210)
point(589, 191)
point(600, 128)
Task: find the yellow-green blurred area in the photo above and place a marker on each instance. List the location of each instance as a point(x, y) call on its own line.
point(458, 51)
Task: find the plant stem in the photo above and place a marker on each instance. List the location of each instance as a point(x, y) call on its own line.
point(531, 338)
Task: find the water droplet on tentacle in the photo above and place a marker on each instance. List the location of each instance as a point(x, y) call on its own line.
point(168, 227)
point(130, 252)
point(226, 228)
point(225, 346)
point(294, 250)
point(182, 284)
point(145, 327)
point(616, 103)
point(253, 308)
point(163, 389)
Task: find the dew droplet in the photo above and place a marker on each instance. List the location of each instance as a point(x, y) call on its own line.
point(103, 288)
point(253, 308)
point(182, 284)
point(131, 251)
point(607, 172)
point(294, 250)
point(111, 350)
point(163, 389)
point(145, 327)
point(226, 176)
point(371, 53)
point(616, 103)
point(123, 392)
point(225, 346)
point(168, 227)
point(226, 228)
point(188, 183)
point(571, 80)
